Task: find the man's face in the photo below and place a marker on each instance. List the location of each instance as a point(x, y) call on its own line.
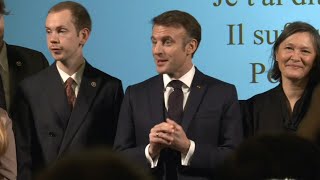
point(1, 29)
point(171, 51)
point(63, 40)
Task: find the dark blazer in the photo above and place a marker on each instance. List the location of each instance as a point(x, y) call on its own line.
point(211, 119)
point(45, 129)
point(269, 113)
point(23, 62)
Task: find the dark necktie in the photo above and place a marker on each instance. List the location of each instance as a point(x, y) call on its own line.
point(175, 101)
point(175, 112)
point(70, 92)
point(2, 95)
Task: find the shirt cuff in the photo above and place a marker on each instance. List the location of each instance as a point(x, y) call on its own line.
point(153, 162)
point(185, 159)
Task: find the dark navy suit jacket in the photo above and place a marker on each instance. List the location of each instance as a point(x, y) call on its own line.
point(45, 128)
point(211, 119)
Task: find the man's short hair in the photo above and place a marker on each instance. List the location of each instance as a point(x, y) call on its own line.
point(79, 13)
point(177, 18)
point(3, 8)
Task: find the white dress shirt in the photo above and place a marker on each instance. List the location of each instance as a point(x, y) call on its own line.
point(77, 77)
point(187, 80)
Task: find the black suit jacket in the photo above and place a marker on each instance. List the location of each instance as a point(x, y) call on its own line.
point(23, 62)
point(45, 129)
point(211, 119)
point(269, 112)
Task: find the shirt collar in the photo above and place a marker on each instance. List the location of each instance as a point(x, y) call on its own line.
point(186, 79)
point(4, 58)
point(77, 76)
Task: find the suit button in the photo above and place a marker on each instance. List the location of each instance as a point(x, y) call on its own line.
point(52, 134)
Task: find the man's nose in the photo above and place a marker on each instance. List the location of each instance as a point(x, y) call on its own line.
point(157, 48)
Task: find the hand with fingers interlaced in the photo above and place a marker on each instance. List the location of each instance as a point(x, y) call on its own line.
point(168, 134)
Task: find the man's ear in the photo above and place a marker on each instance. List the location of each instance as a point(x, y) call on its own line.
point(192, 46)
point(84, 35)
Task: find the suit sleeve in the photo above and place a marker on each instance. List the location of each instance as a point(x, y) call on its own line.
point(22, 127)
point(207, 157)
point(44, 61)
point(125, 137)
point(246, 115)
point(116, 105)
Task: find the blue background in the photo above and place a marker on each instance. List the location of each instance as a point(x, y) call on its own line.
point(120, 40)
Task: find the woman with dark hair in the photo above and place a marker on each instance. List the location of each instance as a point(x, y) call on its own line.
point(296, 58)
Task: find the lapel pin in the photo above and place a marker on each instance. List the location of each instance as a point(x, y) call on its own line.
point(93, 84)
point(19, 63)
point(198, 86)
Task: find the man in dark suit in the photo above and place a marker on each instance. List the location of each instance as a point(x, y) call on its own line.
point(187, 137)
point(69, 106)
point(16, 63)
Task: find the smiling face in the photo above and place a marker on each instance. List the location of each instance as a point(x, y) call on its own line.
point(296, 56)
point(172, 51)
point(64, 41)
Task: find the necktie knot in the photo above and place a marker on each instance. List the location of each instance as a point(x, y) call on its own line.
point(69, 81)
point(176, 84)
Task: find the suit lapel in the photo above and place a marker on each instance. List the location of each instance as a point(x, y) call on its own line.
point(197, 91)
point(90, 84)
point(54, 87)
point(15, 64)
point(156, 97)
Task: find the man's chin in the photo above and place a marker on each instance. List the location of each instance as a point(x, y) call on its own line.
point(56, 58)
point(161, 70)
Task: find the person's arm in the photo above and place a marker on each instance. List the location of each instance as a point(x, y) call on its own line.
point(8, 167)
point(153, 161)
point(22, 120)
point(117, 101)
point(208, 156)
point(125, 140)
point(246, 107)
point(186, 158)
